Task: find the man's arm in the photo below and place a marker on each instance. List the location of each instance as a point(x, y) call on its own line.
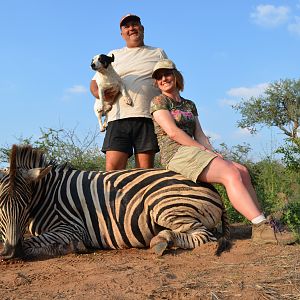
point(109, 94)
point(94, 89)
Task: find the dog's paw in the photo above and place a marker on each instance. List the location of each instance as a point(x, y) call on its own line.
point(128, 100)
point(103, 127)
point(107, 107)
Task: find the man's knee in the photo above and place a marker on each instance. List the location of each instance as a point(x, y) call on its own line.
point(116, 160)
point(145, 160)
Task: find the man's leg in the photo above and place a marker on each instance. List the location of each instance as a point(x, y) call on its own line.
point(117, 145)
point(144, 143)
point(144, 160)
point(116, 160)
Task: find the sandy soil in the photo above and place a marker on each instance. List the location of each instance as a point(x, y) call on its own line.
point(247, 271)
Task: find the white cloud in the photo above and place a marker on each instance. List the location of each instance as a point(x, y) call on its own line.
point(295, 27)
point(270, 16)
point(242, 92)
point(69, 93)
point(212, 135)
point(242, 132)
point(227, 102)
point(248, 92)
point(76, 89)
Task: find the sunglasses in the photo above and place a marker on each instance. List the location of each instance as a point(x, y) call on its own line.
point(161, 74)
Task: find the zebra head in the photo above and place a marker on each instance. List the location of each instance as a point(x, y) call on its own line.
point(15, 198)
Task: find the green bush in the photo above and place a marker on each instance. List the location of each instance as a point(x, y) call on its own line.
point(291, 217)
point(64, 146)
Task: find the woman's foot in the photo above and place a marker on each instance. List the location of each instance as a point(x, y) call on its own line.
point(271, 231)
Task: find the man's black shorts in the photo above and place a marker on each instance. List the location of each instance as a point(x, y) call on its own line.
point(130, 135)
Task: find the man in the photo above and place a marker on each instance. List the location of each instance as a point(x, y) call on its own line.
point(130, 128)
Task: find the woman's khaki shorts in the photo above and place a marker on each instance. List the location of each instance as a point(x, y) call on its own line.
point(190, 161)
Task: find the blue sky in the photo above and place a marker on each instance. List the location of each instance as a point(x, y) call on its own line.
point(226, 50)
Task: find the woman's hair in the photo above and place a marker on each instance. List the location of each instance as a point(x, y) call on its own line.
point(178, 80)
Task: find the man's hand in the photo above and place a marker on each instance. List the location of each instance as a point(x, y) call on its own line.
point(109, 95)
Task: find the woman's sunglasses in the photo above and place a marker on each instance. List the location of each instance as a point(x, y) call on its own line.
point(164, 73)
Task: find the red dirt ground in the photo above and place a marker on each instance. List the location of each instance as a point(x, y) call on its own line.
point(247, 271)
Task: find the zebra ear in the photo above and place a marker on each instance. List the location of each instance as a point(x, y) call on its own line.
point(36, 174)
point(3, 172)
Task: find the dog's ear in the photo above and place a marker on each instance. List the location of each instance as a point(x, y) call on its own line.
point(112, 58)
point(102, 58)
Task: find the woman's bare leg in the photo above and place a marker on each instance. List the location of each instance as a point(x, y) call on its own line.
point(247, 182)
point(238, 191)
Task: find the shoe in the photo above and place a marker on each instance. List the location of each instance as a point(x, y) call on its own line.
point(271, 231)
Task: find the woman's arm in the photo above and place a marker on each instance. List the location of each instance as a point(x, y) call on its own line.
point(167, 123)
point(201, 137)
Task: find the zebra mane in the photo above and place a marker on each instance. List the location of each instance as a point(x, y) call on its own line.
point(12, 169)
point(26, 157)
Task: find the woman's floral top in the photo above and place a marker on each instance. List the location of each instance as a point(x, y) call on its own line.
point(184, 114)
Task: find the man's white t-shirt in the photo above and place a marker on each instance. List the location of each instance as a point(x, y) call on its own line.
point(135, 65)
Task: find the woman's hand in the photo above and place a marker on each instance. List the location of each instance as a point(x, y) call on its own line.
point(219, 154)
point(211, 151)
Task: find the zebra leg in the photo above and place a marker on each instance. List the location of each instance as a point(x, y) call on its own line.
point(194, 237)
point(55, 243)
point(54, 250)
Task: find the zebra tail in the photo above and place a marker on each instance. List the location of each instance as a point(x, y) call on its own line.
point(224, 241)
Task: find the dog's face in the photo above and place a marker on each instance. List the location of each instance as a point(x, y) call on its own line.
point(101, 61)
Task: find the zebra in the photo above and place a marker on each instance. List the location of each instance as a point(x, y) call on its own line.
point(72, 211)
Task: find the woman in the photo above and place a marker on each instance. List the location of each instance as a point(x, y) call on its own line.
point(185, 149)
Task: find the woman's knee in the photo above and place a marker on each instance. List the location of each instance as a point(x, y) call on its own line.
point(233, 174)
point(243, 169)
point(227, 171)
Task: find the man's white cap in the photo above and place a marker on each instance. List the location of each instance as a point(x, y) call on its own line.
point(128, 18)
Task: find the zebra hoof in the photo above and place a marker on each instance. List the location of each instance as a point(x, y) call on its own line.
point(159, 248)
